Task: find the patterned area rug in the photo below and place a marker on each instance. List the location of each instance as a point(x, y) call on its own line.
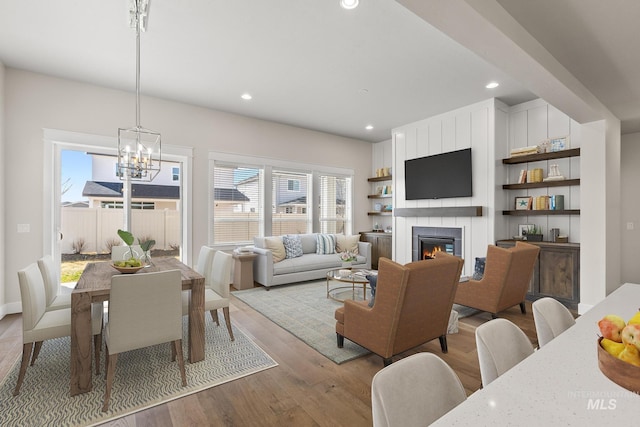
point(144, 378)
point(464, 311)
point(305, 311)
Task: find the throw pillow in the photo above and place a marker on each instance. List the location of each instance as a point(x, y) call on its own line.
point(478, 270)
point(347, 243)
point(274, 244)
point(373, 282)
point(292, 246)
point(326, 244)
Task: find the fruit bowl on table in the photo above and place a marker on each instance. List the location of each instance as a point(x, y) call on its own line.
point(127, 269)
point(620, 372)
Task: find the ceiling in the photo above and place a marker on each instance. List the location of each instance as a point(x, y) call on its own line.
point(311, 64)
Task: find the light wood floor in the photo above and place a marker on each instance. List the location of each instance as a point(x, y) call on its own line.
point(306, 389)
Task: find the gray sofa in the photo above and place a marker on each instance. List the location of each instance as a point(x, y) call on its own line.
point(310, 266)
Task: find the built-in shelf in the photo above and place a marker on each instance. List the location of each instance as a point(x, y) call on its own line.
point(445, 211)
point(380, 178)
point(379, 213)
point(572, 152)
point(544, 184)
point(531, 212)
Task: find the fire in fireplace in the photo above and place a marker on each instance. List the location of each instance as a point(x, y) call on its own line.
point(430, 245)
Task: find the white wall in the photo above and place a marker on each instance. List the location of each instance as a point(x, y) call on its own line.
point(469, 127)
point(34, 101)
point(3, 179)
point(630, 204)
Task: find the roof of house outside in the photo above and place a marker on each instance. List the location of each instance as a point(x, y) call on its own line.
point(139, 191)
point(229, 195)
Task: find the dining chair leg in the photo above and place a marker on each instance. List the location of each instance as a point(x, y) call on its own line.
point(177, 346)
point(26, 355)
point(227, 319)
point(111, 370)
point(214, 316)
point(97, 345)
point(36, 352)
point(106, 360)
point(173, 352)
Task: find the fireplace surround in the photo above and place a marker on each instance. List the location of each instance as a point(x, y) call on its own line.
point(428, 240)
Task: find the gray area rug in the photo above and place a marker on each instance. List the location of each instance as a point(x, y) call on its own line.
point(464, 311)
point(305, 311)
point(144, 378)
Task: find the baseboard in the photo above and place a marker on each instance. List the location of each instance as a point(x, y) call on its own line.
point(10, 308)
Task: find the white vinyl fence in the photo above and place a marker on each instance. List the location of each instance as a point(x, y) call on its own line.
point(97, 226)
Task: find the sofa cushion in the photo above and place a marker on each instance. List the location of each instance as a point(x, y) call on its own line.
point(292, 246)
point(275, 245)
point(347, 243)
point(307, 262)
point(309, 243)
point(326, 244)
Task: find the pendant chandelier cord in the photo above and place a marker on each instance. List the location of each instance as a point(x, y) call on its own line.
point(137, 65)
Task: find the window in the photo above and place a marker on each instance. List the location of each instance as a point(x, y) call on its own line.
point(237, 203)
point(335, 203)
point(175, 174)
point(289, 199)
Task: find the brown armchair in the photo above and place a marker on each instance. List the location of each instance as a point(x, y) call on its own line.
point(506, 279)
point(412, 306)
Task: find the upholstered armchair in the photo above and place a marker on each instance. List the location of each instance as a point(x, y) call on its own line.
point(412, 306)
point(506, 279)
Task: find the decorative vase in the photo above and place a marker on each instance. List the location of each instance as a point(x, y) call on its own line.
point(146, 259)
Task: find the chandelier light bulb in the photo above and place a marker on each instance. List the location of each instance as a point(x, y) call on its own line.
point(349, 4)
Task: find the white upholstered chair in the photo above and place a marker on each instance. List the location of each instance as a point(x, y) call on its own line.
point(551, 319)
point(39, 325)
point(118, 253)
point(413, 391)
point(501, 345)
point(55, 300)
point(144, 310)
point(215, 266)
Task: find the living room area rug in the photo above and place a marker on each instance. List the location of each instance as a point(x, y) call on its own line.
point(304, 310)
point(144, 378)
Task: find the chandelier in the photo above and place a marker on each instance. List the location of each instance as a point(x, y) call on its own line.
point(139, 149)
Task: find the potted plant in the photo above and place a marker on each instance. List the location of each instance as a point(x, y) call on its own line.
point(534, 234)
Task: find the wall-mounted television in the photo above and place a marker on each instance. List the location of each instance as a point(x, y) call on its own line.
point(439, 176)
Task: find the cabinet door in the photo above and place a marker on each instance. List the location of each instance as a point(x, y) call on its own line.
point(384, 247)
point(559, 270)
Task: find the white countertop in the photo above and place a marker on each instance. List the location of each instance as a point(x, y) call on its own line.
point(560, 384)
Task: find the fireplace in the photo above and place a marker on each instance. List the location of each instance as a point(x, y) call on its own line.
point(426, 241)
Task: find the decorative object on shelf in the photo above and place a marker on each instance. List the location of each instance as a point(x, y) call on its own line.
point(553, 234)
point(556, 202)
point(523, 151)
point(533, 234)
point(545, 146)
point(523, 229)
point(554, 174)
point(523, 203)
point(377, 207)
point(534, 175)
point(541, 203)
point(387, 208)
point(139, 149)
point(559, 144)
point(376, 227)
point(522, 177)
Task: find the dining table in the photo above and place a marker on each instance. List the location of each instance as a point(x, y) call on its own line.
point(560, 384)
point(94, 287)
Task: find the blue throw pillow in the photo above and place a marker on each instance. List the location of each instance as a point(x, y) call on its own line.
point(292, 246)
point(478, 270)
point(373, 282)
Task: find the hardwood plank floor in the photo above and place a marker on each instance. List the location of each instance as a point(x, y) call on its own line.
point(306, 389)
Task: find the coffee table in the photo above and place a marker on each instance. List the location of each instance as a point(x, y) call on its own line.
point(345, 282)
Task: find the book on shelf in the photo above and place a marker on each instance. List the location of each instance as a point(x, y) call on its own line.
point(522, 178)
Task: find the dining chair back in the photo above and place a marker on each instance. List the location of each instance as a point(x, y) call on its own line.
point(551, 319)
point(54, 300)
point(122, 253)
point(144, 310)
point(416, 390)
point(501, 345)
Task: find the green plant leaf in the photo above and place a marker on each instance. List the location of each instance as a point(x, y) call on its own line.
point(147, 245)
point(126, 237)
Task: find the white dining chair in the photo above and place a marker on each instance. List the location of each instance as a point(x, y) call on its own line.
point(551, 319)
point(215, 266)
point(119, 253)
point(414, 391)
point(39, 325)
point(55, 300)
point(144, 310)
point(501, 345)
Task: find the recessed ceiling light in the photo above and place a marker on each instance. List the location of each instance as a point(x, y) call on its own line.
point(368, 127)
point(349, 4)
point(246, 96)
point(492, 85)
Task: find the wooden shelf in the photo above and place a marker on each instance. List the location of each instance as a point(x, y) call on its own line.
point(563, 183)
point(386, 213)
point(573, 152)
point(380, 178)
point(532, 212)
point(379, 196)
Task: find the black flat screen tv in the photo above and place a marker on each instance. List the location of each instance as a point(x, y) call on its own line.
point(439, 176)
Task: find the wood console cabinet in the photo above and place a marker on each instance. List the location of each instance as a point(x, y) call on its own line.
point(556, 273)
point(381, 245)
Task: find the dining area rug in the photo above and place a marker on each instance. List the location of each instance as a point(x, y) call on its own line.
point(143, 378)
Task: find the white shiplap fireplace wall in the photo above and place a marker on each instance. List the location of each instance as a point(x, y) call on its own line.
point(483, 127)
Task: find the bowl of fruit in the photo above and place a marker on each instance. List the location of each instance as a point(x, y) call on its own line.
point(619, 350)
point(128, 266)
